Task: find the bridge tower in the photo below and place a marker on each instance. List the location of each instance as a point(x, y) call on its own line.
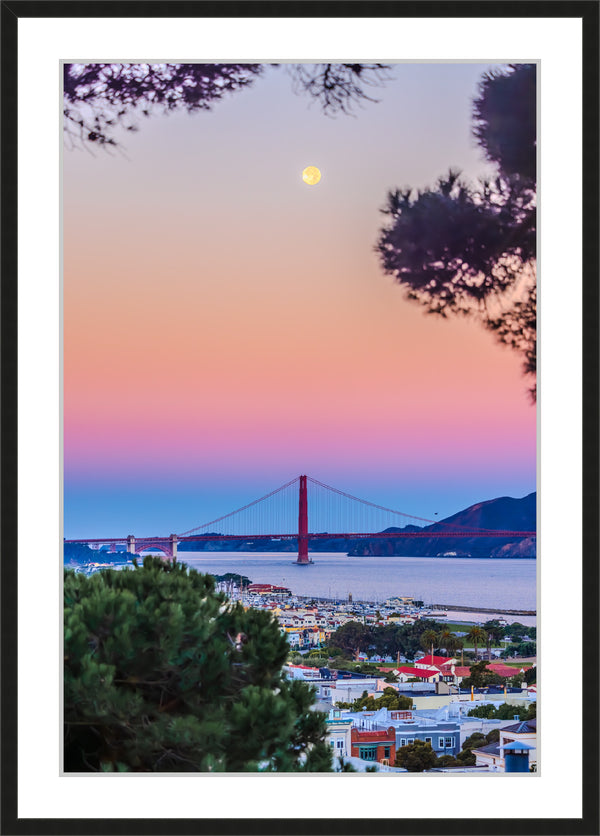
point(303, 559)
point(173, 542)
point(130, 544)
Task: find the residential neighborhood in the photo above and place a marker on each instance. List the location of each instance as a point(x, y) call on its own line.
point(461, 711)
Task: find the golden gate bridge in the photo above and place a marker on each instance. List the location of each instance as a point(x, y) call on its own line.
point(335, 514)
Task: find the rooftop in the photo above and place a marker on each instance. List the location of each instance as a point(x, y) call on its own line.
point(434, 660)
point(524, 727)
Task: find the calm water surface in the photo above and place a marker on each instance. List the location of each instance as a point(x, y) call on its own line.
point(472, 582)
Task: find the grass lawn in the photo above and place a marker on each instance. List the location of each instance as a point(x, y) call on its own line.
point(458, 628)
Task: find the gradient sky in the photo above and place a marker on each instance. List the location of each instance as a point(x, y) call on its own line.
point(227, 327)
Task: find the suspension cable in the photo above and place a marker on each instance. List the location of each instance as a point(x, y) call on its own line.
point(392, 511)
point(238, 510)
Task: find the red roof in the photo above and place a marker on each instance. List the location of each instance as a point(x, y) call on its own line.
point(503, 670)
point(434, 660)
point(420, 672)
point(382, 736)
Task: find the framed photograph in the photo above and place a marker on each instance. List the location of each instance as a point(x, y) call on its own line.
point(270, 289)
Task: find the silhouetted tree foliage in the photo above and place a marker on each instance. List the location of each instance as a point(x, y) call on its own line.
point(99, 97)
point(338, 87)
point(469, 249)
point(504, 117)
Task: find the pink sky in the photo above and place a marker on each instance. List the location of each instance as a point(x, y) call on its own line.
point(227, 327)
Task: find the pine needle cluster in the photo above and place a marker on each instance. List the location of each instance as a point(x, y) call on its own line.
point(163, 674)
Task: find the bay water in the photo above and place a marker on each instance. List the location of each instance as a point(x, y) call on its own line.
point(494, 583)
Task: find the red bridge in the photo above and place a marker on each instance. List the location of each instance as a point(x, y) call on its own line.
point(360, 519)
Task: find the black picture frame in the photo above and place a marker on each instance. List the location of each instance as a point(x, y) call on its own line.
point(14, 10)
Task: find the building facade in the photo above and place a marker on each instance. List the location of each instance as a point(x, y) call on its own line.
point(443, 736)
point(377, 746)
point(492, 756)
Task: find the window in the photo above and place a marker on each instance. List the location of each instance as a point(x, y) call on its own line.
point(340, 744)
point(386, 752)
point(367, 753)
point(449, 742)
point(440, 742)
point(429, 740)
point(402, 741)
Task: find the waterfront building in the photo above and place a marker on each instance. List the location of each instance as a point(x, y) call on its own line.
point(399, 601)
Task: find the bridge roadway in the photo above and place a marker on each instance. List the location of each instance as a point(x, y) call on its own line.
point(168, 545)
point(322, 535)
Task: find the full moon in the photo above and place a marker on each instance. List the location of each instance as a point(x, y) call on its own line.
point(311, 175)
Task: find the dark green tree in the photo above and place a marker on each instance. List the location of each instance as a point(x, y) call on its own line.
point(505, 711)
point(476, 635)
point(449, 642)
point(447, 760)
point(465, 249)
point(352, 637)
point(164, 674)
point(429, 640)
point(494, 633)
point(416, 757)
point(475, 741)
point(526, 649)
point(480, 676)
point(487, 711)
point(389, 699)
point(466, 757)
point(509, 712)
